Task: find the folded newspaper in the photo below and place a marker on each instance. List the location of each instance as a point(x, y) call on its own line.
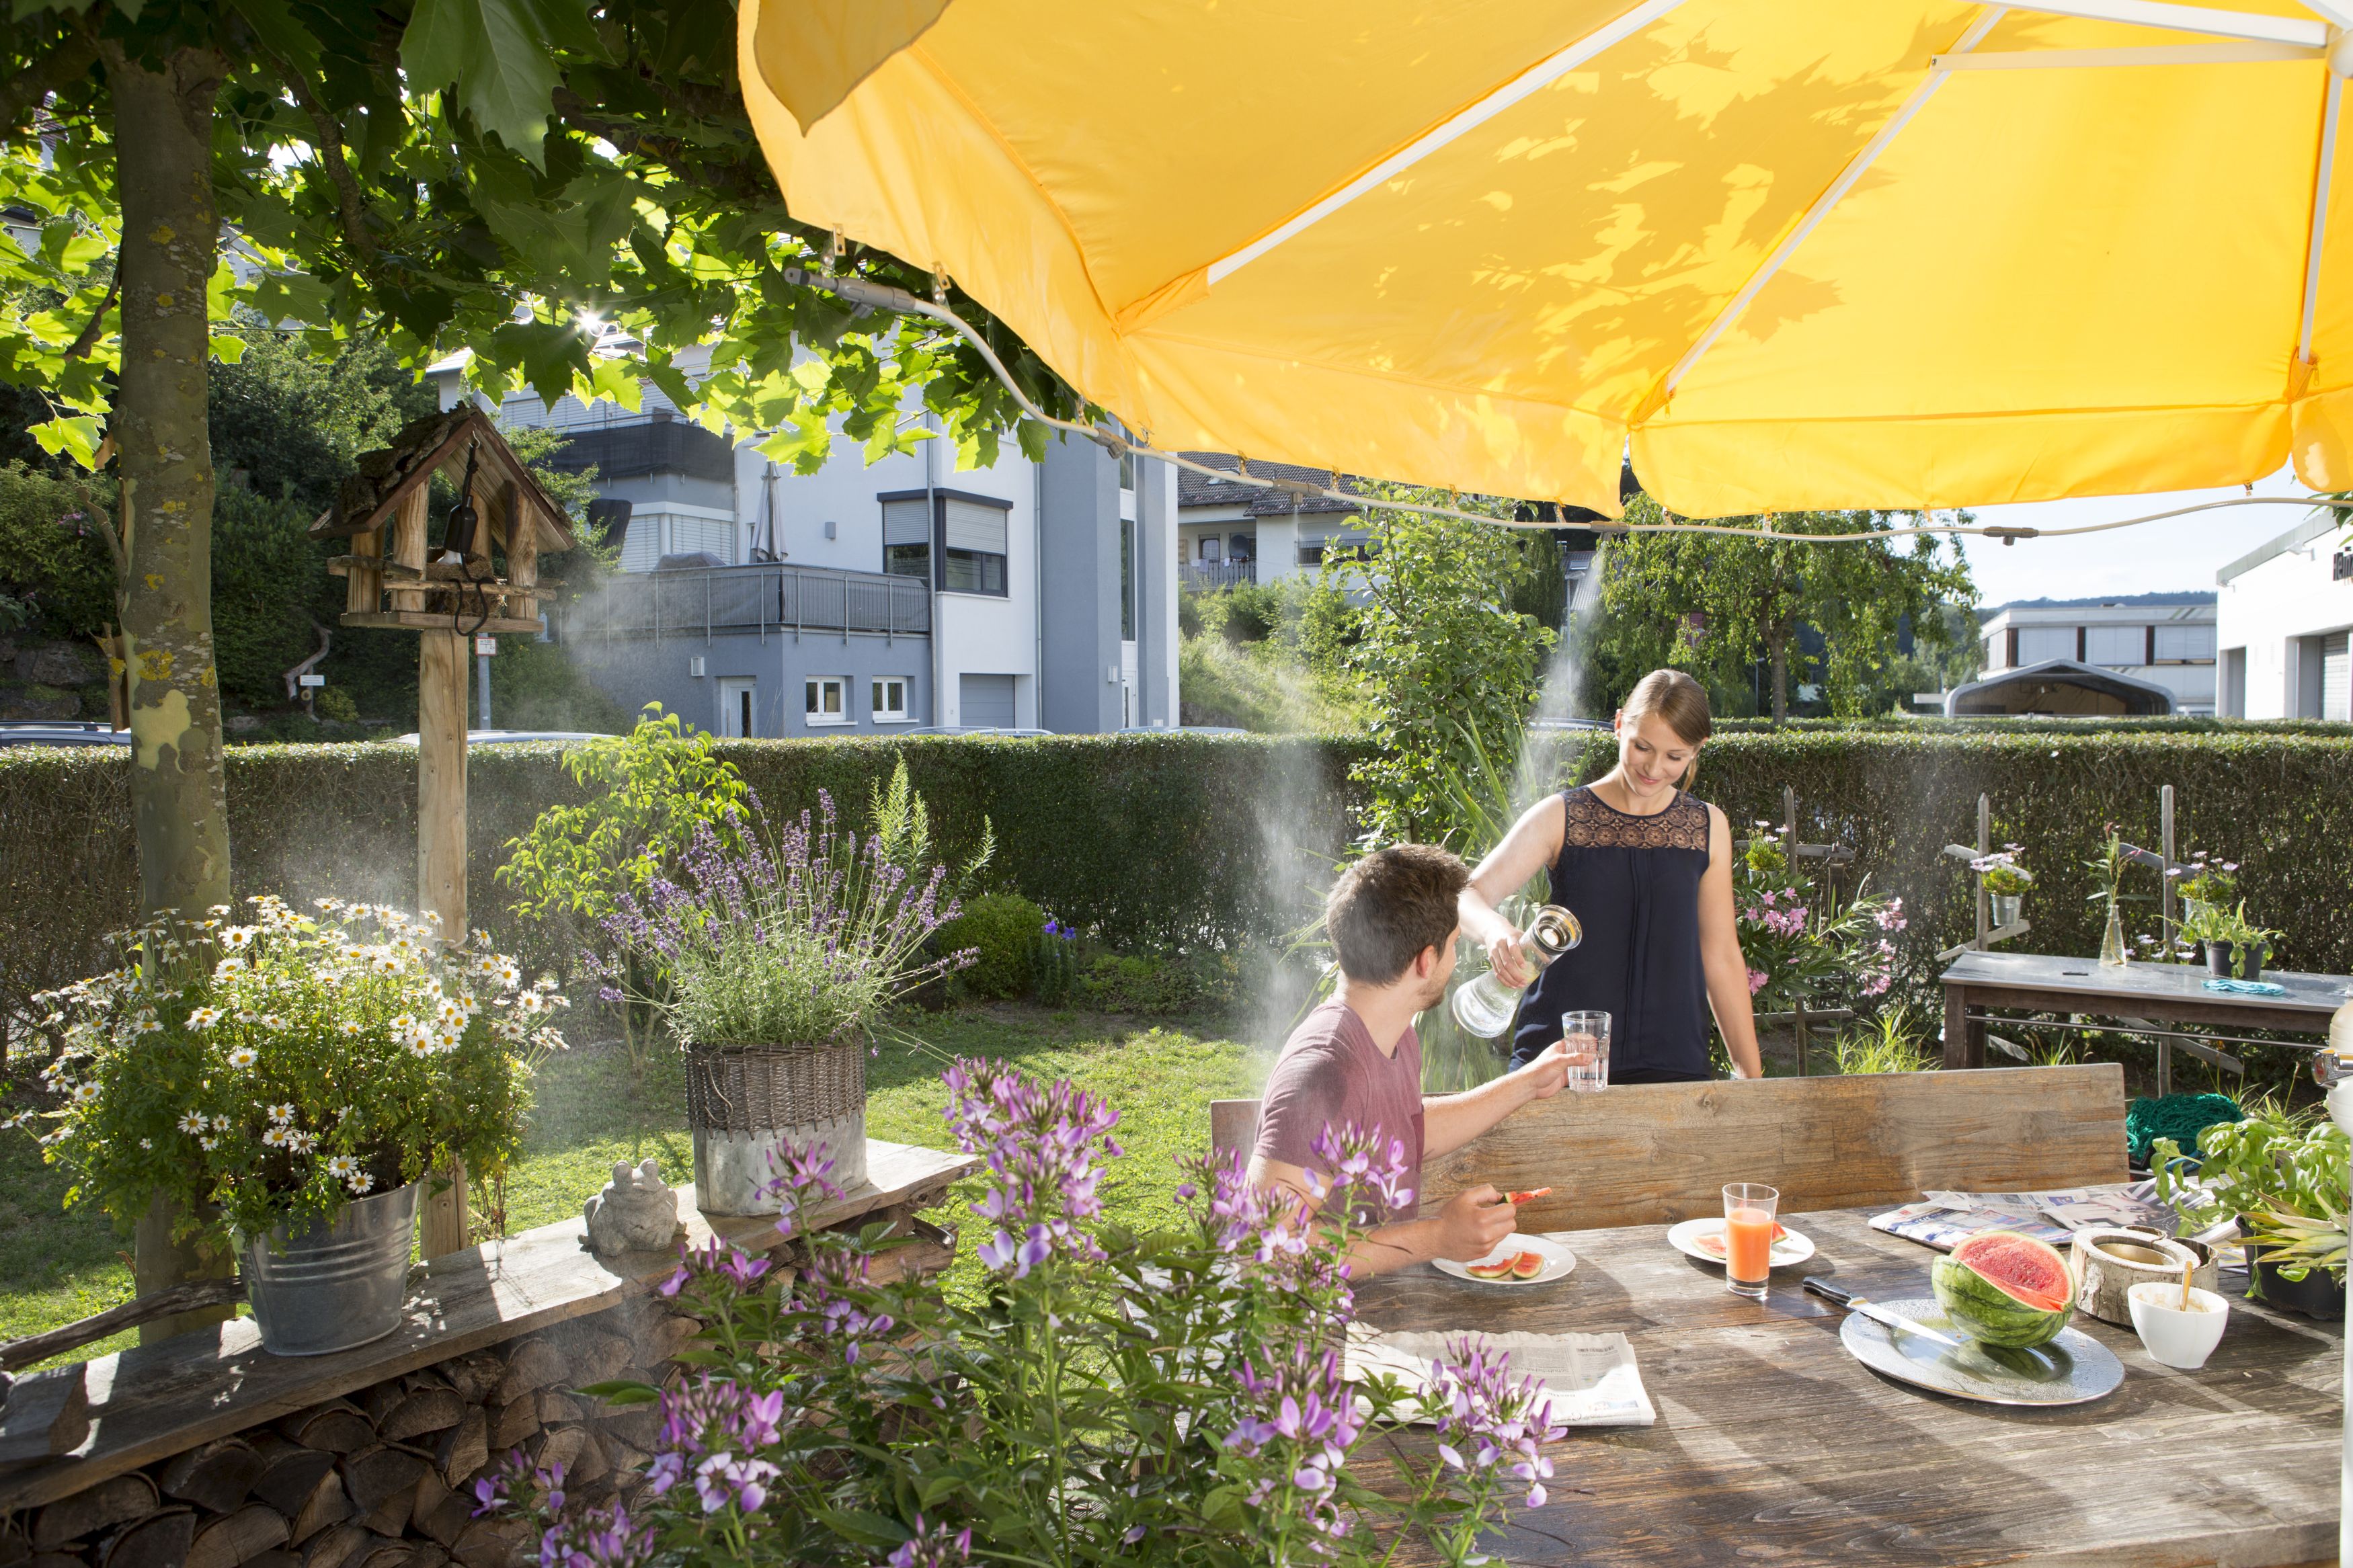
point(1943, 1220)
point(1591, 1377)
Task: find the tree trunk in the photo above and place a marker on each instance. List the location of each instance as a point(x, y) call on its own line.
point(163, 125)
point(1778, 646)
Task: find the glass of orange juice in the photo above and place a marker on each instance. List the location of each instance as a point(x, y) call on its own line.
point(1748, 1222)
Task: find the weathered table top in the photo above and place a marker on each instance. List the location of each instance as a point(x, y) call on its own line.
point(1775, 1446)
point(2155, 990)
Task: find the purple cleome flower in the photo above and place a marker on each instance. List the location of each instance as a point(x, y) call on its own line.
point(1487, 1424)
point(1043, 1148)
point(932, 1547)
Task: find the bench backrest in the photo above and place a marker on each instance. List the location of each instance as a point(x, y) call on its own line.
point(1657, 1154)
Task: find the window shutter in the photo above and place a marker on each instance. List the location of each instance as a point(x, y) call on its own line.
point(907, 523)
point(976, 527)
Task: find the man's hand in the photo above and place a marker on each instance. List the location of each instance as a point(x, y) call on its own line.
point(1548, 1075)
point(1472, 1223)
point(1506, 957)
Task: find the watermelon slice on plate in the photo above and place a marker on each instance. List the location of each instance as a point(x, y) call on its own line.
point(1713, 1243)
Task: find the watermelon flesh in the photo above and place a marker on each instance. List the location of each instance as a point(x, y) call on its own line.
point(2005, 1290)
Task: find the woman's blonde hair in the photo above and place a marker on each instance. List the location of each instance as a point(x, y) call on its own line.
point(1675, 697)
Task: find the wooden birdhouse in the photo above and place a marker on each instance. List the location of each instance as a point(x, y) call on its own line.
point(479, 579)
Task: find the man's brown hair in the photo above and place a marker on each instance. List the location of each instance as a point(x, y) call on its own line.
point(1389, 906)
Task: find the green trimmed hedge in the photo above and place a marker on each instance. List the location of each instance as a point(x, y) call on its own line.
point(1147, 840)
point(1166, 841)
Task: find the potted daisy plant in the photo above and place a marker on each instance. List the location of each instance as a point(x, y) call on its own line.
point(287, 1083)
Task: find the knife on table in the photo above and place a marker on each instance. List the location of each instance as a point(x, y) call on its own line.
point(1876, 1313)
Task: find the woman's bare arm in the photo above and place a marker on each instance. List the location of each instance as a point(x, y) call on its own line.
point(1532, 845)
point(1726, 966)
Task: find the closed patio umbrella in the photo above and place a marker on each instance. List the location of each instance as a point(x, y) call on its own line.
point(1868, 253)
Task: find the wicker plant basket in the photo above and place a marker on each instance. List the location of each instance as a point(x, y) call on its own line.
point(745, 1104)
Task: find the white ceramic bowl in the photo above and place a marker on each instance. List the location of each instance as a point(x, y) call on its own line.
point(2171, 1336)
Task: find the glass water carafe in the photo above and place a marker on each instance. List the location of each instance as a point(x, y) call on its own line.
point(1484, 1007)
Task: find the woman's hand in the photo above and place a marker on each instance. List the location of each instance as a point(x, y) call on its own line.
point(1506, 958)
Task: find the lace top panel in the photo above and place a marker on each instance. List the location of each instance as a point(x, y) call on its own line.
point(1591, 825)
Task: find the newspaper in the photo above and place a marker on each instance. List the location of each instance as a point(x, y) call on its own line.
point(1945, 1219)
point(1591, 1377)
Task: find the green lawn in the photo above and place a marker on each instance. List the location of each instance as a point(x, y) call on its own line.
point(56, 1266)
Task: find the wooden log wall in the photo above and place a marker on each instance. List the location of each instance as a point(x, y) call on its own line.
point(383, 1478)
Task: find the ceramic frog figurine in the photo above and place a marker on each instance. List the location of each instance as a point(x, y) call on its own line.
point(636, 1212)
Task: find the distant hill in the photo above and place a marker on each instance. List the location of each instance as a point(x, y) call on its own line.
point(2187, 597)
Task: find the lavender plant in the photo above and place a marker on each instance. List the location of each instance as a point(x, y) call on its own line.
point(1178, 1397)
point(796, 937)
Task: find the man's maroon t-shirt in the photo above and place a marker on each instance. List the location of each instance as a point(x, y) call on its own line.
point(1331, 1073)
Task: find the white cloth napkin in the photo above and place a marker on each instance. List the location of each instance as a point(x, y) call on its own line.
point(1592, 1378)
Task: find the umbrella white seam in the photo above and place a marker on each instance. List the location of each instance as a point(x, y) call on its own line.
point(2319, 234)
point(1855, 169)
point(1545, 72)
point(2189, 20)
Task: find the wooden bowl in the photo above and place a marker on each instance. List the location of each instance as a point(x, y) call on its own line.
point(2109, 1260)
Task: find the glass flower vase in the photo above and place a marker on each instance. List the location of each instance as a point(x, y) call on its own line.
point(2112, 944)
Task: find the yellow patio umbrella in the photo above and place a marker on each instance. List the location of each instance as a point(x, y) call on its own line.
point(1789, 253)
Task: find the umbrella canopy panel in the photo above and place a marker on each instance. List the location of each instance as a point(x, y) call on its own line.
point(1840, 253)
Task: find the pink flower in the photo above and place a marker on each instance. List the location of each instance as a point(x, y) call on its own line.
point(1757, 978)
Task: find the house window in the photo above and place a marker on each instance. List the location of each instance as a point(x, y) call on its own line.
point(972, 535)
point(2185, 645)
point(2036, 644)
point(827, 700)
point(1210, 549)
point(1127, 579)
point(907, 539)
point(1311, 553)
point(890, 699)
point(2114, 644)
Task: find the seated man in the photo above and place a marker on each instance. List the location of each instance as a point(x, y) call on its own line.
point(1392, 923)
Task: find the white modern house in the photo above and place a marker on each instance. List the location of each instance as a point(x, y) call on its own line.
point(1229, 533)
point(2162, 640)
point(2285, 609)
point(755, 600)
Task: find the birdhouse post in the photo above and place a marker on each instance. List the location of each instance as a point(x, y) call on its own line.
point(482, 578)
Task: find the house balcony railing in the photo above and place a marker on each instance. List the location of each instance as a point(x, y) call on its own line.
point(701, 601)
point(1217, 574)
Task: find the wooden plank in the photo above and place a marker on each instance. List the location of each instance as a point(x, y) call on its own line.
point(2144, 985)
point(428, 621)
point(1652, 1153)
point(2208, 1007)
point(405, 544)
point(364, 589)
point(158, 1400)
point(1774, 1446)
point(436, 574)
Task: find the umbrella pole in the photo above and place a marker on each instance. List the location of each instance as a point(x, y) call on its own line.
point(2341, 1111)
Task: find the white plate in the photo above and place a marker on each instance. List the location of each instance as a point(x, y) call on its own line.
point(1792, 1248)
point(1558, 1260)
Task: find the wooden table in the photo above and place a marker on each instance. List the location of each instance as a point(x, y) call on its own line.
point(1774, 1446)
point(2173, 993)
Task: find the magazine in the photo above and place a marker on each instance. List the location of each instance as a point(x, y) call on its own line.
point(1591, 1377)
point(1945, 1219)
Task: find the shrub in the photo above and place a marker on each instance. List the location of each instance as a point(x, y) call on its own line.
point(1002, 929)
point(1160, 985)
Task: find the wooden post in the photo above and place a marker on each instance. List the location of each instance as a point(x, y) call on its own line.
point(1805, 1036)
point(441, 854)
point(2165, 848)
point(1985, 847)
point(409, 546)
point(364, 588)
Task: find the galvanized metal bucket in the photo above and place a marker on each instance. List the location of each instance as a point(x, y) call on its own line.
point(330, 1287)
point(747, 1105)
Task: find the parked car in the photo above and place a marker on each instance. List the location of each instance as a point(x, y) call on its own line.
point(979, 729)
point(60, 733)
point(1183, 730)
point(515, 737)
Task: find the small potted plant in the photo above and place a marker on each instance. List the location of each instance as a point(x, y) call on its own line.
point(287, 1085)
point(2005, 882)
point(2205, 884)
point(776, 958)
point(2282, 1177)
point(2235, 946)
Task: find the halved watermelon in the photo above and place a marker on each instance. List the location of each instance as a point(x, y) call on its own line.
point(1527, 1197)
point(2006, 1289)
point(1527, 1265)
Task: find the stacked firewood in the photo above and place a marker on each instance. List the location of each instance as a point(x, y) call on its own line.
point(384, 1477)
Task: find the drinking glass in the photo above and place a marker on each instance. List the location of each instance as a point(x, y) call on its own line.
point(1587, 1035)
point(1749, 1211)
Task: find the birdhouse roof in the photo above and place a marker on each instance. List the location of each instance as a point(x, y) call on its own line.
point(439, 442)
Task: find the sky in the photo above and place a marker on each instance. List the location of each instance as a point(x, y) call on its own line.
point(2178, 554)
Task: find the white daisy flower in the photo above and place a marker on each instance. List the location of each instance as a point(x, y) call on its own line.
point(147, 1143)
point(203, 1018)
point(280, 1114)
point(237, 937)
point(303, 1142)
point(348, 1028)
point(220, 1123)
point(243, 1057)
point(361, 1182)
point(246, 1016)
point(272, 1021)
point(420, 1046)
point(402, 1024)
point(192, 1123)
point(208, 1143)
point(343, 1167)
point(275, 1137)
point(84, 1093)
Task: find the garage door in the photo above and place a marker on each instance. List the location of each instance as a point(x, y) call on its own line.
point(985, 701)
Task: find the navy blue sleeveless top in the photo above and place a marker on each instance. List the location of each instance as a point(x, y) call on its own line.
point(1633, 884)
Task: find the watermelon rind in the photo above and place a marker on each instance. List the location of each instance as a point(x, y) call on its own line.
point(1991, 1315)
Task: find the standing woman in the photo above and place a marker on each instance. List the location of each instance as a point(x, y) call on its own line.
point(1647, 871)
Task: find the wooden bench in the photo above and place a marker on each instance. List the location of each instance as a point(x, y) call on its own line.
point(1657, 1154)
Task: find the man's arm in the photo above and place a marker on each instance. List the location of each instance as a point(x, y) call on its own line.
point(1451, 1120)
point(1466, 1227)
